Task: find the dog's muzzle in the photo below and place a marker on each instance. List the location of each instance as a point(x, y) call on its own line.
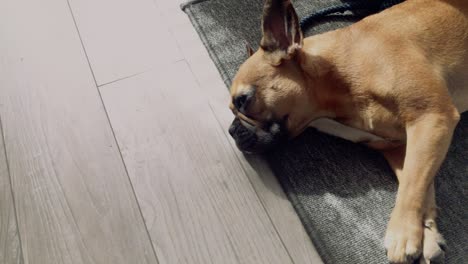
point(252, 139)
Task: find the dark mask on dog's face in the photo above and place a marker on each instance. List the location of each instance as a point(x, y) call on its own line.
point(268, 94)
point(252, 139)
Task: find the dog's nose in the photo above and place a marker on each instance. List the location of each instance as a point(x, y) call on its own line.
point(232, 128)
point(251, 140)
point(244, 137)
point(240, 132)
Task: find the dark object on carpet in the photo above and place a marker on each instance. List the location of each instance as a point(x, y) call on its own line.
point(371, 6)
point(343, 192)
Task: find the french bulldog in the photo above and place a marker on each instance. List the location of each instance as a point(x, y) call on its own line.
point(396, 81)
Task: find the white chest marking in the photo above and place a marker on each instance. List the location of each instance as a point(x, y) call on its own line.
point(337, 129)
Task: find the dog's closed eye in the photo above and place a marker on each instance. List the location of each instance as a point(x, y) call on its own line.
point(242, 101)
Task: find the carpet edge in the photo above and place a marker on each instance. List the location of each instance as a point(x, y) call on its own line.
point(315, 238)
point(189, 3)
point(201, 34)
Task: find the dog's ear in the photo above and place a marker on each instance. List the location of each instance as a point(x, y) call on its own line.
point(282, 35)
point(249, 49)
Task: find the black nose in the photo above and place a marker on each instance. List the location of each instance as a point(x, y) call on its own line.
point(254, 139)
point(232, 128)
point(244, 137)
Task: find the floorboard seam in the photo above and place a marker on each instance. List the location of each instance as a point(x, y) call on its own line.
point(113, 133)
point(135, 74)
point(11, 190)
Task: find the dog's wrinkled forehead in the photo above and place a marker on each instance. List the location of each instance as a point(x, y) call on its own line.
point(252, 76)
point(244, 88)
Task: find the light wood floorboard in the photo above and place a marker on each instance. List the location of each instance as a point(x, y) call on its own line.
point(73, 199)
point(269, 191)
point(10, 251)
point(123, 37)
point(282, 214)
point(197, 202)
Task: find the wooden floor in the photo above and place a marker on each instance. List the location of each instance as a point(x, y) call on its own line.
point(114, 146)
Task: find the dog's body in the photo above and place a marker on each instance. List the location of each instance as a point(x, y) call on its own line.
point(374, 56)
point(398, 80)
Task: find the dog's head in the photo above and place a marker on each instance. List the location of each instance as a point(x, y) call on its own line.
point(269, 98)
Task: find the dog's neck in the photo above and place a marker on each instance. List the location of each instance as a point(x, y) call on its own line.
point(328, 91)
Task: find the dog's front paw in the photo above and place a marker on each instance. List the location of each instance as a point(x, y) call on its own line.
point(433, 244)
point(403, 240)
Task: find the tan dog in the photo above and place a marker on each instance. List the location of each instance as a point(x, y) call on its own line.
point(397, 80)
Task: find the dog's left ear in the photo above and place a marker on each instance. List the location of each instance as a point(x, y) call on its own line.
point(282, 35)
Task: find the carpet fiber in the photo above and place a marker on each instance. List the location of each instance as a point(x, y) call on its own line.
point(342, 192)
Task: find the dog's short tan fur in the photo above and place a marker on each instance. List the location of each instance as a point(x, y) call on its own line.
point(401, 74)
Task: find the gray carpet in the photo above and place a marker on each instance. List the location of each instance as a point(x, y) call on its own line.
point(342, 192)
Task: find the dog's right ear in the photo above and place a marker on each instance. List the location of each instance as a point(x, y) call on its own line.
point(282, 35)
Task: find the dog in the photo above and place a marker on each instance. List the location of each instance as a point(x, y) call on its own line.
point(396, 81)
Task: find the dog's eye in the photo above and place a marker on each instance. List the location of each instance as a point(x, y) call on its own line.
point(241, 101)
